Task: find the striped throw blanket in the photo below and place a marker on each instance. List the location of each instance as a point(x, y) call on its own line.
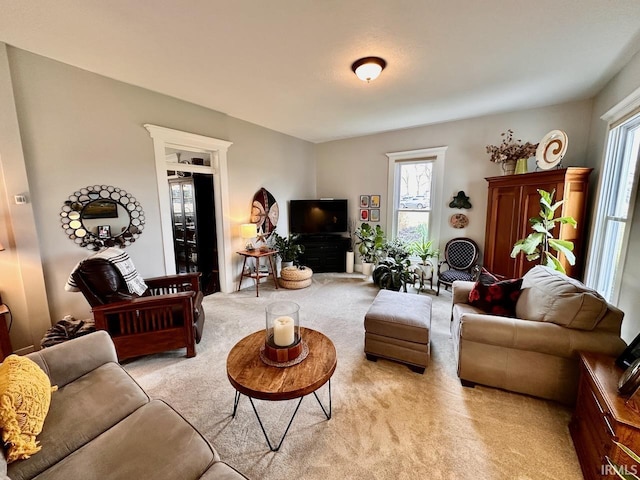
point(120, 260)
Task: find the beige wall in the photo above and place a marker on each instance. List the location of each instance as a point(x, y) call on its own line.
point(264, 158)
point(626, 82)
point(62, 128)
point(351, 167)
point(21, 276)
point(82, 129)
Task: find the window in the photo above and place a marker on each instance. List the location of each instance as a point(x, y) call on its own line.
point(412, 191)
point(414, 202)
point(618, 185)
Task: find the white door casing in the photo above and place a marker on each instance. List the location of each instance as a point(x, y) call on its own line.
point(217, 149)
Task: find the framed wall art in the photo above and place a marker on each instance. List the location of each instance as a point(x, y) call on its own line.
point(364, 201)
point(364, 215)
point(374, 214)
point(374, 201)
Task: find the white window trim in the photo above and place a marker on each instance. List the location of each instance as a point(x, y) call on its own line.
point(612, 116)
point(630, 103)
point(217, 149)
point(436, 155)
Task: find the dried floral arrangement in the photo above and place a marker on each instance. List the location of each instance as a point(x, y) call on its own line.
point(510, 149)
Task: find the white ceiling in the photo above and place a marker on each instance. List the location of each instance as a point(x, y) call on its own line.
point(285, 64)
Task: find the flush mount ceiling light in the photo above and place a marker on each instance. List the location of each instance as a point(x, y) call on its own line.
point(368, 68)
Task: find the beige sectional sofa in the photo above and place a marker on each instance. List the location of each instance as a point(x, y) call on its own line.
point(536, 352)
point(101, 425)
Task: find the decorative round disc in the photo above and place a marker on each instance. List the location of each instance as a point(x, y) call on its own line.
point(459, 220)
point(551, 149)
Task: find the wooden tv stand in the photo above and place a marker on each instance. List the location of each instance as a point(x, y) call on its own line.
point(324, 253)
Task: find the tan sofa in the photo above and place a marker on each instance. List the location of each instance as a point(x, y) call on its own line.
point(101, 425)
point(535, 353)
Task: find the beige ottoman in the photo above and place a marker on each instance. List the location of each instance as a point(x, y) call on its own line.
point(397, 328)
point(294, 278)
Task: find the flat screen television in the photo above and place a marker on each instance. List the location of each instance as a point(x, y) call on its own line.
point(318, 216)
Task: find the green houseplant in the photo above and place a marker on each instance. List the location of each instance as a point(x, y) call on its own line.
point(392, 274)
point(423, 247)
point(538, 244)
point(288, 248)
point(397, 249)
point(395, 271)
point(370, 244)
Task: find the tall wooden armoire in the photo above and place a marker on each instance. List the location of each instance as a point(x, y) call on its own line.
point(514, 199)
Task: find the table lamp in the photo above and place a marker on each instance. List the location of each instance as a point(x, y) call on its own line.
point(247, 232)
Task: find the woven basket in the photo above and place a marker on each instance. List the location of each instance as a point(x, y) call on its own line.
point(293, 278)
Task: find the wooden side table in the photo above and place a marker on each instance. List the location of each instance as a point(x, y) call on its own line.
point(257, 275)
point(5, 342)
point(250, 376)
point(602, 416)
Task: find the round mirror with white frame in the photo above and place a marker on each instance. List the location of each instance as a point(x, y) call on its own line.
point(100, 216)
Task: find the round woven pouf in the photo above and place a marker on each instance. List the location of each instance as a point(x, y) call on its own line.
point(294, 278)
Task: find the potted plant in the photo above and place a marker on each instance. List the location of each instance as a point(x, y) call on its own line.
point(370, 243)
point(394, 275)
point(395, 271)
point(510, 151)
point(288, 248)
point(423, 248)
point(538, 244)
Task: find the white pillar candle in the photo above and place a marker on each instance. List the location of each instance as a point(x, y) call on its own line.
point(283, 331)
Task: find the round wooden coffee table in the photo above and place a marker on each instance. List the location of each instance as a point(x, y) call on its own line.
point(250, 376)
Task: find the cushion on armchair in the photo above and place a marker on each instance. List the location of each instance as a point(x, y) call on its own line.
point(25, 397)
point(550, 296)
point(451, 276)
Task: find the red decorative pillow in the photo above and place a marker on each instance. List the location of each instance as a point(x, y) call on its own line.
point(496, 298)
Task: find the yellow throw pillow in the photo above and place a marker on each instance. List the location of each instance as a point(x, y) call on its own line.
point(25, 396)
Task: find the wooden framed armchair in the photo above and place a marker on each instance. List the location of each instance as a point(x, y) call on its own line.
point(167, 316)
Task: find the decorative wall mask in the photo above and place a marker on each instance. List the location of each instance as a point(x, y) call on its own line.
point(264, 213)
point(101, 216)
point(460, 201)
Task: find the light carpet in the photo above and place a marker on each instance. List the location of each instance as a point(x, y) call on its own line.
point(388, 422)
